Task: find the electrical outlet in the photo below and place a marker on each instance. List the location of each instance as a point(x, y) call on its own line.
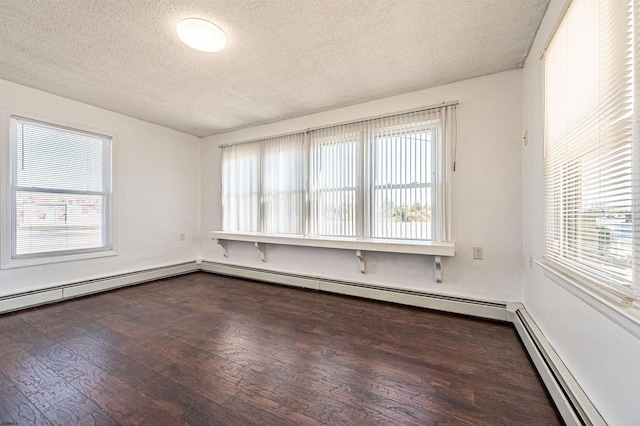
point(374, 258)
point(182, 236)
point(525, 137)
point(478, 253)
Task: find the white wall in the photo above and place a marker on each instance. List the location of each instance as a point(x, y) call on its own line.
point(157, 192)
point(603, 357)
point(486, 196)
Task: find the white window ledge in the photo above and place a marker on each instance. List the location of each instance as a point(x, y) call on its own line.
point(360, 245)
point(47, 259)
point(608, 304)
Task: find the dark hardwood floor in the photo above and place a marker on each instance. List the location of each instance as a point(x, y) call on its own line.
point(203, 349)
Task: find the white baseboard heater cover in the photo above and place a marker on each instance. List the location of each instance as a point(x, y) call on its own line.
point(68, 291)
point(574, 405)
point(453, 304)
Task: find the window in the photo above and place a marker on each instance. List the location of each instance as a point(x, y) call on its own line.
point(283, 182)
point(60, 191)
point(383, 178)
point(402, 196)
point(334, 191)
point(240, 193)
point(589, 144)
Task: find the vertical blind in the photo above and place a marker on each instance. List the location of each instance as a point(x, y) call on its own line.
point(60, 190)
point(335, 172)
point(283, 185)
point(241, 177)
point(589, 148)
point(264, 185)
point(407, 172)
point(379, 178)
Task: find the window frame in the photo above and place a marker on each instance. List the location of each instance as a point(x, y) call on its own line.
point(8, 155)
point(436, 147)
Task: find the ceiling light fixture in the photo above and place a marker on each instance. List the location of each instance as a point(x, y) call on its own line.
point(201, 35)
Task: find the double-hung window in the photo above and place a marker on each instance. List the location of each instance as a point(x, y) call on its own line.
point(591, 104)
point(382, 178)
point(60, 186)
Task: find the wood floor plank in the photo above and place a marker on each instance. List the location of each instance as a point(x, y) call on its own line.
point(16, 409)
point(42, 386)
point(192, 407)
point(77, 410)
point(124, 404)
point(266, 411)
point(202, 349)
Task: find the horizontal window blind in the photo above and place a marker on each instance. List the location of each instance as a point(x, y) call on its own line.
point(60, 185)
point(589, 148)
point(385, 177)
point(636, 144)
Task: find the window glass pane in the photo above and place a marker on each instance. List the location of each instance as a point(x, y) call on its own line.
point(55, 158)
point(283, 185)
point(402, 174)
point(241, 172)
point(396, 216)
point(58, 222)
point(334, 184)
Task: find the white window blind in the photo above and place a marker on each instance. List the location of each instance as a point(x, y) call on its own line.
point(60, 187)
point(240, 192)
point(589, 148)
point(407, 172)
point(265, 186)
point(283, 185)
point(380, 178)
point(335, 166)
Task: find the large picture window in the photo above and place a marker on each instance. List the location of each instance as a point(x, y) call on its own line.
point(60, 190)
point(383, 178)
point(590, 75)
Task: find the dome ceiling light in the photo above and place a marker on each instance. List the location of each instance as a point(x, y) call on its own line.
point(201, 35)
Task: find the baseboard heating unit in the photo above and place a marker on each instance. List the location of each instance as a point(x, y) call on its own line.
point(573, 404)
point(69, 291)
point(453, 304)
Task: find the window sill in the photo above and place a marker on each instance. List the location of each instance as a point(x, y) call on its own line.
point(360, 245)
point(35, 261)
point(439, 248)
point(607, 303)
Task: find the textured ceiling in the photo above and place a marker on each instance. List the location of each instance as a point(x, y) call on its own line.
point(284, 58)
